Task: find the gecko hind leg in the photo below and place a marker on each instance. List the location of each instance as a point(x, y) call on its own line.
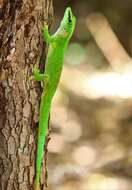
point(42, 77)
point(37, 75)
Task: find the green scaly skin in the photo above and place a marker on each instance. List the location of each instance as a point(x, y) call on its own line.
point(54, 62)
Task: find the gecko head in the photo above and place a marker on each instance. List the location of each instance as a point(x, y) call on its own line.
point(68, 23)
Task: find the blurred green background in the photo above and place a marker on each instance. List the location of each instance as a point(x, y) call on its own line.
point(91, 117)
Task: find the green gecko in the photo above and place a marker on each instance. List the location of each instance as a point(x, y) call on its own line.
point(54, 61)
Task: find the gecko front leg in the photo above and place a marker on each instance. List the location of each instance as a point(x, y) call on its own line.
point(47, 37)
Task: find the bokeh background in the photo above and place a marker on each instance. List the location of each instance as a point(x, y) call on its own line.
point(91, 117)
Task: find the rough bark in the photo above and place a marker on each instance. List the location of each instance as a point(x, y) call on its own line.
point(21, 47)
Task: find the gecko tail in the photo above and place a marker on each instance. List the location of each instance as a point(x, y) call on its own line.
point(36, 186)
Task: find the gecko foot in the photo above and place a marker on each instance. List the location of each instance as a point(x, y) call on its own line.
point(36, 75)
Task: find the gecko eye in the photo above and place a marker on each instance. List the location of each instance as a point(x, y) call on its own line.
point(69, 17)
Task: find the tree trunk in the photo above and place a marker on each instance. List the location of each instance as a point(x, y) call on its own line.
point(21, 47)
